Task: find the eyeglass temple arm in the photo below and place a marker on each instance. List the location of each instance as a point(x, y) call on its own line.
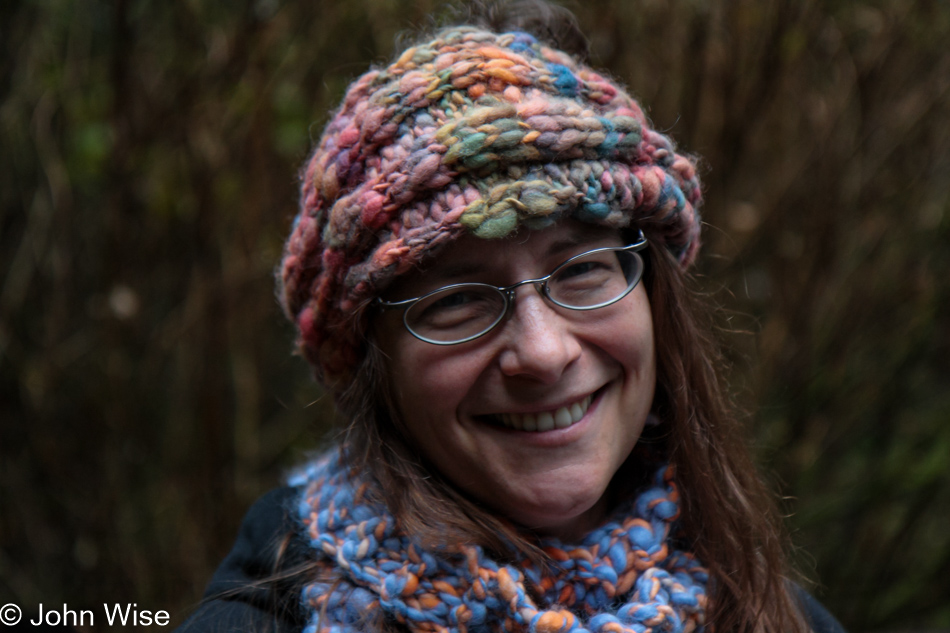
point(640, 244)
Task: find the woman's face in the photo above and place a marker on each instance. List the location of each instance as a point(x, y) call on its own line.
point(596, 367)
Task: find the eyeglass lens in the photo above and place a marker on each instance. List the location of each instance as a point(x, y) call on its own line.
point(464, 311)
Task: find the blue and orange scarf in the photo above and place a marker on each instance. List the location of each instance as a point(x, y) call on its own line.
point(624, 577)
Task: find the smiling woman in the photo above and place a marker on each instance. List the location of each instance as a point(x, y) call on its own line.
point(489, 272)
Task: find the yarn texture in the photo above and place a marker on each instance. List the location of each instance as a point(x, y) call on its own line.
point(625, 576)
point(472, 132)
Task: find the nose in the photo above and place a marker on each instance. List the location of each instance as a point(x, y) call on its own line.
point(539, 342)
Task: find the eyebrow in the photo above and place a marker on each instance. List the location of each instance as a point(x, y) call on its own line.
point(448, 272)
point(581, 236)
point(569, 242)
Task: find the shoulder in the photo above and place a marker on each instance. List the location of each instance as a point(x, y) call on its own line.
point(255, 588)
point(817, 616)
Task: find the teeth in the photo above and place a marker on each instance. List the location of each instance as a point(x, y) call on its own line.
point(577, 412)
point(529, 423)
point(547, 420)
point(564, 417)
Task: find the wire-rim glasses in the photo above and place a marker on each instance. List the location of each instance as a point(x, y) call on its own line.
point(459, 313)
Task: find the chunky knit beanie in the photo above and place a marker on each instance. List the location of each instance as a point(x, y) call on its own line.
point(470, 132)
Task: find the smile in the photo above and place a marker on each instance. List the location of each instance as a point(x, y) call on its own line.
point(547, 420)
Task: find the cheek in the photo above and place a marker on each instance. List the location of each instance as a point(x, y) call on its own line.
point(428, 381)
point(630, 336)
point(426, 386)
point(646, 359)
point(648, 353)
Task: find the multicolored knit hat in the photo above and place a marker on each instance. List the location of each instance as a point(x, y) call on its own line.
point(471, 132)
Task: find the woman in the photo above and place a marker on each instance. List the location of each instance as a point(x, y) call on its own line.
point(489, 272)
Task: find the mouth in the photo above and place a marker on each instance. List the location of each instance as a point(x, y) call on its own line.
point(541, 421)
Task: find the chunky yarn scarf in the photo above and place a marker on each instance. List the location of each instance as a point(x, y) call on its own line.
point(625, 576)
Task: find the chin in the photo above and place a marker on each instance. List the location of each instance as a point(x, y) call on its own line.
point(564, 516)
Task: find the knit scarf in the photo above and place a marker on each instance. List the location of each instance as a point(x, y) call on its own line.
point(624, 576)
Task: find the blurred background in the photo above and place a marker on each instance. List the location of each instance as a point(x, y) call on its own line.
point(148, 175)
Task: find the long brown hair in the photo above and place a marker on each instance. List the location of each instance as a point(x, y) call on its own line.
point(729, 514)
point(729, 519)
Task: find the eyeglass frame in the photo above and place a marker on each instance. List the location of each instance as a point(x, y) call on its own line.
point(508, 292)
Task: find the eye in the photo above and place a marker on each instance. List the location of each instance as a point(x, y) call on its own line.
point(578, 268)
point(454, 300)
point(456, 307)
point(589, 267)
point(590, 280)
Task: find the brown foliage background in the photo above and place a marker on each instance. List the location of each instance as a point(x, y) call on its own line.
point(148, 176)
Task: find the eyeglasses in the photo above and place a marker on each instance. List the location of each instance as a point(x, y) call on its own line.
point(459, 313)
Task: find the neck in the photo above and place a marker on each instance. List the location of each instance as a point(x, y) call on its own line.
point(577, 528)
point(632, 475)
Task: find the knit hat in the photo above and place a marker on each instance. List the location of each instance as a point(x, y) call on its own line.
point(471, 132)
